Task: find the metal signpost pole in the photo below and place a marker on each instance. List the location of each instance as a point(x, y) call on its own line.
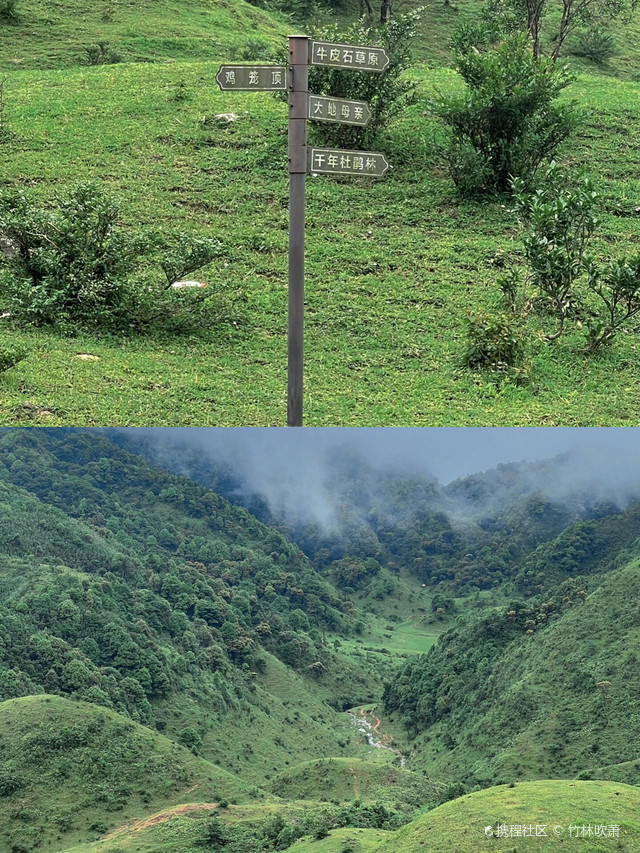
point(298, 108)
point(328, 161)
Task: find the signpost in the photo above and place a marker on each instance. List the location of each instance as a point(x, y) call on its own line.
point(303, 160)
point(348, 56)
point(331, 161)
point(338, 110)
point(252, 78)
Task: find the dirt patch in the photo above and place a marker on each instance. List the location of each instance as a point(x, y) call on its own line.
point(160, 817)
point(356, 790)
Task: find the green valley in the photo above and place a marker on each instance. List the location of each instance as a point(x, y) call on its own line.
point(180, 675)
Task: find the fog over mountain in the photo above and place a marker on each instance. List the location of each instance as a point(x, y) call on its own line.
point(305, 476)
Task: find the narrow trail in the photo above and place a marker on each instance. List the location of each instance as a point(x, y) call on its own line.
point(356, 790)
point(160, 817)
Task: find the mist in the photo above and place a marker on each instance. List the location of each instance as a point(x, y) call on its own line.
point(290, 469)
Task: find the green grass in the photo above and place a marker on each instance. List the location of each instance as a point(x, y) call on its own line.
point(460, 824)
point(107, 771)
point(346, 779)
point(388, 277)
point(365, 841)
point(48, 34)
point(392, 266)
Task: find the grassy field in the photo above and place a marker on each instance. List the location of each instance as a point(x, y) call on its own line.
point(392, 266)
point(460, 824)
point(346, 779)
point(389, 279)
point(49, 34)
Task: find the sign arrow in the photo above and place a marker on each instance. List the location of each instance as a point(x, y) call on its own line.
point(338, 110)
point(332, 161)
point(252, 78)
point(352, 56)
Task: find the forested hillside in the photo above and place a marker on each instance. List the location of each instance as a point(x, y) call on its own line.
point(175, 671)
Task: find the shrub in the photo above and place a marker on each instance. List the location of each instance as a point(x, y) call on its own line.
point(101, 54)
point(8, 10)
point(505, 123)
point(255, 51)
point(10, 782)
point(214, 832)
point(558, 222)
point(190, 738)
point(595, 44)
point(561, 279)
point(497, 342)
point(76, 265)
point(617, 286)
point(10, 355)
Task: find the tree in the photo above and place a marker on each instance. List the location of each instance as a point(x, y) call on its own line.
point(556, 19)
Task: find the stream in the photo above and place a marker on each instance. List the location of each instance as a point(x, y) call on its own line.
point(368, 730)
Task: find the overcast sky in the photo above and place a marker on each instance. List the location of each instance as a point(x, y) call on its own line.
point(447, 453)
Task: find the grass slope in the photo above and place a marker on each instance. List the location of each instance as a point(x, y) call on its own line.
point(352, 778)
point(71, 771)
point(48, 34)
point(460, 824)
point(389, 277)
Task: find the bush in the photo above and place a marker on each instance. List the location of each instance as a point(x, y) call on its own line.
point(8, 10)
point(558, 221)
point(10, 355)
point(596, 45)
point(561, 280)
point(76, 265)
point(387, 93)
point(190, 738)
point(101, 54)
point(505, 124)
point(617, 286)
point(497, 342)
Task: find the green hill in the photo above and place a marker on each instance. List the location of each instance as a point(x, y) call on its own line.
point(47, 34)
point(352, 778)
point(142, 592)
point(71, 771)
point(460, 824)
point(533, 690)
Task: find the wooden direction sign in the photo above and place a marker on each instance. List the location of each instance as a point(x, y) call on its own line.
point(339, 110)
point(332, 161)
point(252, 78)
point(351, 56)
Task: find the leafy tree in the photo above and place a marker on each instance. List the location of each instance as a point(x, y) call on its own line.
point(556, 19)
point(190, 738)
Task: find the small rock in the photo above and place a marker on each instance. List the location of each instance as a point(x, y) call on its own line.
point(85, 356)
point(8, 247)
